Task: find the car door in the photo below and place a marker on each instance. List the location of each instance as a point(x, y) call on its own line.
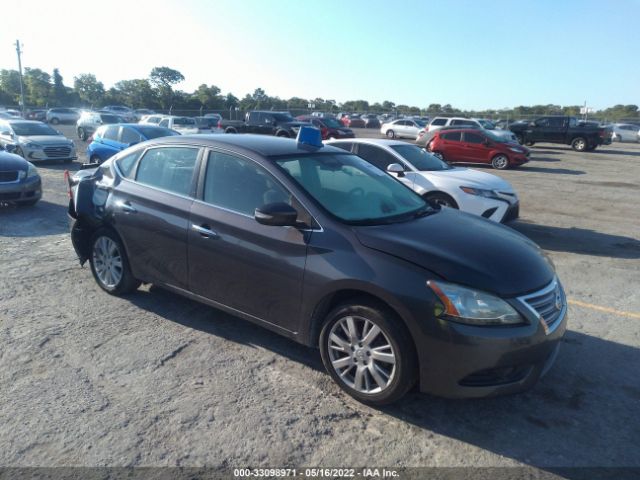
point(151, 212)
point(451, 146)
point(111, 139)
point(475, 148)
point(556, 131)
point(236, 261)
point(129, 137)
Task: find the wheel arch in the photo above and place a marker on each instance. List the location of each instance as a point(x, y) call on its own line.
point(440, 192)
point(337, 297)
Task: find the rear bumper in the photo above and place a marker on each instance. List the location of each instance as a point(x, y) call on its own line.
point(29, 190)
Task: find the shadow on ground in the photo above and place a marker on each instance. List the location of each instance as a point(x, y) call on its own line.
point(43, 218)
point(579, 240)
point(578, 415)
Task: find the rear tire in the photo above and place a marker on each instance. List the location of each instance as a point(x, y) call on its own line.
point(579, 144)
point(55, 121)
point(374, 359)
point(391, 134)
point(82, 134)
point(110, 265)
point(500, 162)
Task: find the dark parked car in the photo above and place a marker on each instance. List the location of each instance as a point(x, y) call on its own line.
point(280, 124)
point(471, 145)
point(567, 130)
point(352, 121)
point(320, 246)
point(20, 183)
point(329, 127)
point(371, 121)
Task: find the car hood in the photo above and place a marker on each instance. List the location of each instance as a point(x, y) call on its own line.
point(46, 139)
point(465, 249)
point(469, 177)
point(11, 161)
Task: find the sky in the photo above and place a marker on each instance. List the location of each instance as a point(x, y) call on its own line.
point(487, 54)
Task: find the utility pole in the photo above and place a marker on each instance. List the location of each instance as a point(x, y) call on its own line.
point(19, 52)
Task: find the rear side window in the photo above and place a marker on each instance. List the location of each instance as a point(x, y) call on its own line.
point(164, 123)
point(452, 136)
point(473, 137)
point(126, 163)
point(168, 168)
point(129, 136)
point(111, 133)
point(439, 121)
point(376, 156)
point(464, 122)
point(240, 185)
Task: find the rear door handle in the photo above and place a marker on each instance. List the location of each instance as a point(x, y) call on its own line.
point(204, 230)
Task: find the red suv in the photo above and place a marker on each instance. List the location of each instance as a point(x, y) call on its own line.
point(466, 145)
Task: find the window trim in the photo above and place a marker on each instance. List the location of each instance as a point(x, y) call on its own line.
point(199, 196)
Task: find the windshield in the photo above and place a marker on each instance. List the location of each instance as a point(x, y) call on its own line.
point(184, 121)
point(487, 124)
point(155, 132)
point(283, 117)
point(352, 189)
point(497, 138)
point(29, 129)
point(420, 158)
point(331, 123)
point(421, 123)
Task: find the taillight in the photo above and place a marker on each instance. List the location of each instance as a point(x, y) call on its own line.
point(220, 123)
point(67, 179)
point(324, 132)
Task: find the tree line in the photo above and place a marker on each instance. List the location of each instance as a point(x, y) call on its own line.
point(157, 92)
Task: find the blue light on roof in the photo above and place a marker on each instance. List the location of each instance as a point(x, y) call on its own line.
point(309, 136)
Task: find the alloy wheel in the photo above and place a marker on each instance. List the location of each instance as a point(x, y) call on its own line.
point(361, 354)
point(107, 261)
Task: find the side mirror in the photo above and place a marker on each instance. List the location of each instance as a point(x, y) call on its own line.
point(396, 168)
point(277, 214)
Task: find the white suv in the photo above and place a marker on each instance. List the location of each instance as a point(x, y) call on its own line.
point(182, 125)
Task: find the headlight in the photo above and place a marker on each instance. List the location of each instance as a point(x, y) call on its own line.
point(472, 307)
point(32, 144)
point(32, 171)
point(479, 192)
point(517, 150)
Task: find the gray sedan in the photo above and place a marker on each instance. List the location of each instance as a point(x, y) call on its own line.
point(36, 141)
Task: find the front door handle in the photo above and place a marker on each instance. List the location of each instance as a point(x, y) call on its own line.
point(127, 208)
point(204, 230)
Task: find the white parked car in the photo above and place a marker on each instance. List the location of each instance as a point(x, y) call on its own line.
point(35, 141)
point(425, 135)
point(125, 112)
point(182, 125)
point(152, 119)
point(469, 190)
point(62, 115)
point(402, 128)
point(625, 132)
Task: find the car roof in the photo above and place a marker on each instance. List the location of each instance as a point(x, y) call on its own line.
point(264, 145)
point(371, 141)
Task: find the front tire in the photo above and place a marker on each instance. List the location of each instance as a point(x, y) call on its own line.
point(95, 159)
point(500, 162)
point(579, 144)
point(55, 121)
point(441, 199)
point(110, 265)
point(82, 134)
point(520, 139)
point(368, 352)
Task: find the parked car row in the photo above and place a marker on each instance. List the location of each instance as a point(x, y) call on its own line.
point(379, 277)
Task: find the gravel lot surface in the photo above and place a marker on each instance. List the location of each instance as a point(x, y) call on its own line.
point(156, 380)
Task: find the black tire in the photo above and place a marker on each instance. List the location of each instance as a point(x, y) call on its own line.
point(230, 130)
point(127, 282)
point(530, 144)
point(55, 121)
point(391, 134)
point(404, 370)
point(500, 162)
point(520, 139)
point(283, 135)
point(579, 144)
point(95, 159)
point(82, 134)
point(440, 199)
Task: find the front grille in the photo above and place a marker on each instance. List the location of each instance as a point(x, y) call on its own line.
point(57, 152)
point(10, 176)
point(549, 303)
